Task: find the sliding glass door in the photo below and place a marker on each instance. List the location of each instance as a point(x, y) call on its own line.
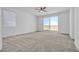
point(50, 23)
point(46, 24)
point(54, 23)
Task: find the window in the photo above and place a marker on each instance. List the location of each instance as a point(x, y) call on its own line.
point(50, 23)
point(9, 18)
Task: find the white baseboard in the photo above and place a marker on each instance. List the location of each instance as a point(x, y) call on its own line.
point(1, 48)
point(18, 34)
point(77, 46)
point(1, 45)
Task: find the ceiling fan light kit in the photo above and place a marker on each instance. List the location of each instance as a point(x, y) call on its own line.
point(41, 11)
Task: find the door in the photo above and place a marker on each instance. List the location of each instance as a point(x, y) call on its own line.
point(50, 23)
point(54, 23)
point(46, 24)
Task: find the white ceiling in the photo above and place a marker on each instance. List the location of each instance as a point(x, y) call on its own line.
point(50, 10)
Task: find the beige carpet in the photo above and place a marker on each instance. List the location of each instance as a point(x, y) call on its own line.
point(47, 41)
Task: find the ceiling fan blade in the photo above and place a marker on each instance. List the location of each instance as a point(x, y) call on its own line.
point(41, 8)
point(44, 7)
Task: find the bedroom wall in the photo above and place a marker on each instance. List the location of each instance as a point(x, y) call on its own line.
point(72, 23)
point(63, 21)
point(0, 30)
point(76, 28)
point(25, 23)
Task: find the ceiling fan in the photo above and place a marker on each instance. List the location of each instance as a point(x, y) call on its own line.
point(41, 9)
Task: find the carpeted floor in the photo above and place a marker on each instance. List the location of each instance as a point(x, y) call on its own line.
point(47, 41)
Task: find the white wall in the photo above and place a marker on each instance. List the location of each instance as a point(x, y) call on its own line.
point(63, 22)
point(76, 28)
point(72, 23)
point(0, 31)
point(25, 23)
